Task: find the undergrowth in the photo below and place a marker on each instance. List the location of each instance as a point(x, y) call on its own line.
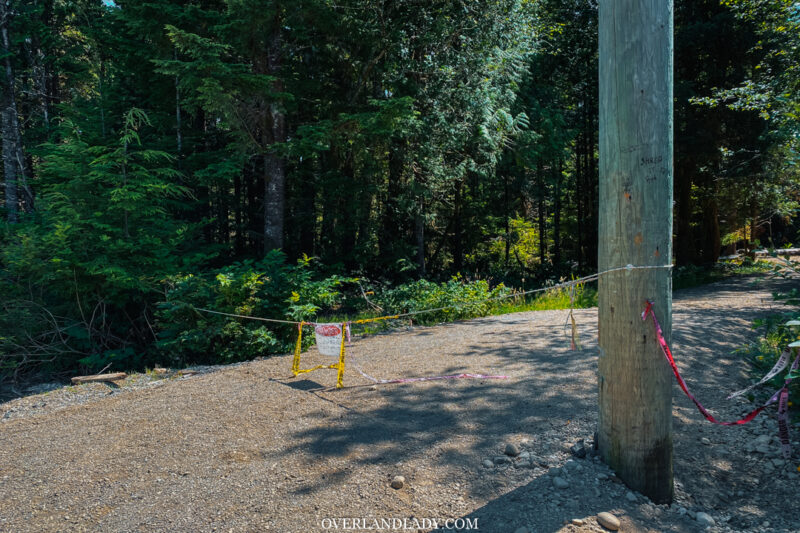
point(777, 335)
point(462, 300)
point(273, 288)
point(689, 276)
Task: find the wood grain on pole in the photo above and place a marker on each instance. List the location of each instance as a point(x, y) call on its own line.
point(635, 227)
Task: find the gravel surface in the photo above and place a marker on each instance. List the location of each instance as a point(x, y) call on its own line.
point(247, 448)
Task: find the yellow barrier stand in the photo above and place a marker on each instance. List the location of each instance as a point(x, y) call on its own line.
point(298, 348)
point(340, 374)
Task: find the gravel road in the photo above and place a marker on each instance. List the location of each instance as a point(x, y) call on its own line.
point(247, 448)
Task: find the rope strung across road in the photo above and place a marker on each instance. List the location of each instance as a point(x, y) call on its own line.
point(331, 337)
point(571, 283)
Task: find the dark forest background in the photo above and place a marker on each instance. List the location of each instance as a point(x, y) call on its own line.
point(287, 158)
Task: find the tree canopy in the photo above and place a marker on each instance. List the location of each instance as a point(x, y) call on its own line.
point(166, 151)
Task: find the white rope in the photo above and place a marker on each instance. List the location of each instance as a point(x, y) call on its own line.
point(570, 283)
point(249, 317)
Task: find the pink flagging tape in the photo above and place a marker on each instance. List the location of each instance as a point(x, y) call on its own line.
point(783, 423)
point(437, 378)
point(779, 366)
point(668, 354)
point(783, 412)
point(427, 378)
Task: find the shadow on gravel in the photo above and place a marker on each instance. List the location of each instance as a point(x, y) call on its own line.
point(552, 386)
point(507, 513)
point(410, 420)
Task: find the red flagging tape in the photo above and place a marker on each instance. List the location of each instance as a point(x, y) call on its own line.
point(668, 354)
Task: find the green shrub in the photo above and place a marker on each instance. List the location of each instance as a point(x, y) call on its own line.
point(269, 288)
point(688, 276)
point(80, 275)
point(461, 299)
point(765, 352)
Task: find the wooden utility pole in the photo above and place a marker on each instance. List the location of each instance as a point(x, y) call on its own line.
point(635, 228)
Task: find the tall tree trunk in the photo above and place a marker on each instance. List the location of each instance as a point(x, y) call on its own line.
point(540, 190)
point(254, 206)
point(579, 147)
point(393, 232)
point(458, 243)
point(275, 194)
point(101, 103)
point(223, 217)
point(557, 215)
point(125, 228)
point(46, 74)
point(13, 154)
point(274, 165)
point(592, 196)
point(9, 162)
point(178, 133)
point(419, 237)
point(713, 244)
point(684, 239)
point(348, 208)
point(507, 217)
point(238, 207)
point(309, 213)
point(38, 76)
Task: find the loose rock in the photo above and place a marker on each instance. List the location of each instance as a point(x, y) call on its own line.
point(398, 482)
point(608, 521)
point(501, 459)
point(512, 450)
point(578, 450)
point(704, 519)
point(577, 522)
point(631, 497)
point(560, 483)
point(488, 463)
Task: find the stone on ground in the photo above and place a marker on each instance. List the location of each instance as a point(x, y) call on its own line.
point(608, 521)
point(704, 519)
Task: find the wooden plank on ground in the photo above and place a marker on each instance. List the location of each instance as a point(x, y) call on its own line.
point(99, 377)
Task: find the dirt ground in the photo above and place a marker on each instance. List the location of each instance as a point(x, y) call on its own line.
point(247, 448)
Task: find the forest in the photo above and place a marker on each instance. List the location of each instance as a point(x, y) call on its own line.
point(291, 159)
